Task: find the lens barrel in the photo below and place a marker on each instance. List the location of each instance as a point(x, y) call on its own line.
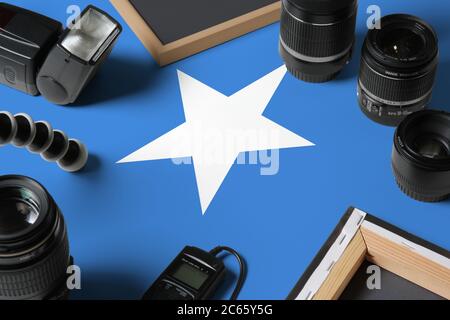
point(421, 155)
point(317, 37)
point(398, 69)
point(34, 248)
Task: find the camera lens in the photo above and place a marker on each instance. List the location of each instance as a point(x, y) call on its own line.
point(317, 37)
point(401, 44)
point(18, 213)
point(398, 69)
point(421, 155)
point(34, 248)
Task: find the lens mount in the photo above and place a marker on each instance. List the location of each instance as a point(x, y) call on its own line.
point(398, 69)
point(421, 155)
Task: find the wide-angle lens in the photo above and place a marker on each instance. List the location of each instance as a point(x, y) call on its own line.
point(34, 248)
point(421, 155)
point(317, 37)
point(398, 68)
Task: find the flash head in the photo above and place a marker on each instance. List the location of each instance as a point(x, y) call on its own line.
point(75, 59)
point(37, 56)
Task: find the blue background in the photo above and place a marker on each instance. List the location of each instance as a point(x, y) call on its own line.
point(127, 222)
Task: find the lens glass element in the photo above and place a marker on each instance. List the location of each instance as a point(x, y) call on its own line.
point(19, 210)
point(431, 147)
point(401, 43)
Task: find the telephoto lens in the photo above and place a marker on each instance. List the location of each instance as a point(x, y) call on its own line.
point(317, 37)
point(34, 248)
point(398, 69)
point(421, 155)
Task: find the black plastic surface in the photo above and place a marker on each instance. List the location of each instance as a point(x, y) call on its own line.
point(63, 75)
point(169, 287)
point(25, 39)
point(172, 20)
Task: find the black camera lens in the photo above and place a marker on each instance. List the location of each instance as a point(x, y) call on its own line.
point(421, 155)
point(398, 69)
point(19, 212)
point(317, 37)
point(34, 248)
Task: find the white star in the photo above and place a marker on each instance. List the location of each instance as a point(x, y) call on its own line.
point(218, 128)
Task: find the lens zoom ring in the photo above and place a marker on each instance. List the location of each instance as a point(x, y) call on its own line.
point(395, 90)
point(317, 41)
point(36, 280)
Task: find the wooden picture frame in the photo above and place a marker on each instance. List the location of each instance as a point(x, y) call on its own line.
point(195, 43)
point(360, 236)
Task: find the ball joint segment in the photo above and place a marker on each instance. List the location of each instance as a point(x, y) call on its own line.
point(39, 137)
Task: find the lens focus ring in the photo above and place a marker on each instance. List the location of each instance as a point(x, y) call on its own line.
point(415, 191)
point(38, 279)
point(317, 40)
point(388, 89)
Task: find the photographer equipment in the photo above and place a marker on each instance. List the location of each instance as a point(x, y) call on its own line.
point(421, 155)
point(53, 145)
point(25, 40)
point(34, 248)
point(77, 56)
point(398, 68)
point(194, 275)
point(317, 37)
point(36, 56)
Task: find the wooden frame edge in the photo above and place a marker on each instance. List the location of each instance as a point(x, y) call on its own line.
point(220, 33)
point(381, 243)
point(344, 270)
point(405, 261)
point(328, 258)
point(198, 42)
point(139, 27)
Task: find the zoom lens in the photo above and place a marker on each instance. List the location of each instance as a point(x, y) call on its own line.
point(34, 248)
point(317, 37)
point(398, 69)
point(421, 155)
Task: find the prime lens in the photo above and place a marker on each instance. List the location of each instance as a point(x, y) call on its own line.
point(34, 248)
point(398, 69)
point(421, 155)
point(317, 37)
